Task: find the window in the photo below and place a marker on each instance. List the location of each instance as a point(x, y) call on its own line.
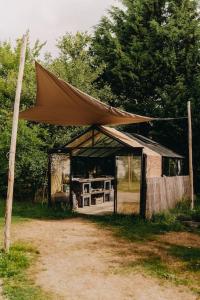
point(172, 166)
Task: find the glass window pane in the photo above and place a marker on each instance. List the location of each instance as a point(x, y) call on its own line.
point(83, 141)
point(102, 140)
point(60, 178)
point(128, 184)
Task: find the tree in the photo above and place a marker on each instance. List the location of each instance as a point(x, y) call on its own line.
point(152, 57)
point(31, 160)
point(31, 157)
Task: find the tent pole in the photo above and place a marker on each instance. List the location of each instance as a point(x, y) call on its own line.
point(190, 154)
point(11, 168)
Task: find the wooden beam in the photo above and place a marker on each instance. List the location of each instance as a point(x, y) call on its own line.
point(11, 168)
point(190, 154)
point(49, 180)
point(143, 186)
point(115, 187)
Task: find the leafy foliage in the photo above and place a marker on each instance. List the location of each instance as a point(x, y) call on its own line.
point(31, 159)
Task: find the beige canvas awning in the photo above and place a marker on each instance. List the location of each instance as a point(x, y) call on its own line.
point(60, 103)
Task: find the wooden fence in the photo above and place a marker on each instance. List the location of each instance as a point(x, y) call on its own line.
point(164, 193)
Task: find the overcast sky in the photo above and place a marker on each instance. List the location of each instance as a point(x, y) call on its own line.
point(49, 19)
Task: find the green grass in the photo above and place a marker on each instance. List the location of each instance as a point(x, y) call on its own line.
point(13, 271)
point(176, 263)
point(183, 210)
point(190, 256)
point(124, 186)
point(136, 229)
point(154, 265)
point(23, 211)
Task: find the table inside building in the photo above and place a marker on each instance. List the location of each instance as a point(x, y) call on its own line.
point(93, 191)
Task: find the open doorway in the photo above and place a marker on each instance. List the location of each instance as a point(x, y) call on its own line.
point(93, 184)
point(128, 184)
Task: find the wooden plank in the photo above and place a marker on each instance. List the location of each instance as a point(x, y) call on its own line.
point(49, 181)
point(11, 168)
point(164, 193)
point(190, 154)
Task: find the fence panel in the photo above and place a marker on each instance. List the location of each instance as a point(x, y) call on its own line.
point(164, 193)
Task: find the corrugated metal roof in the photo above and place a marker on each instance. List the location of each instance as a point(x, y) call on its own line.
point(162, 150)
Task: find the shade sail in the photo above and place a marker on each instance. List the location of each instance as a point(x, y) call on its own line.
point(60, 103)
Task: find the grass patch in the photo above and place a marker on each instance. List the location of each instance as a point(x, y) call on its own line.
point(189, 255)
point(155, 266)
point(124, 186)
point(150, 263)
point(180, 266)
point(13, 271)
point(183, 211)
point(23, 211)
point(134, 228)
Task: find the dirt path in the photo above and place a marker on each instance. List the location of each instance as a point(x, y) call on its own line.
point(1, 291)
point(78, 260)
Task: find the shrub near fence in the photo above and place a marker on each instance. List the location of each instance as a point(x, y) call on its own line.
point(163, 193)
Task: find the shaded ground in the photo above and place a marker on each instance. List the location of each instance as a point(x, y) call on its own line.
point(79, 260)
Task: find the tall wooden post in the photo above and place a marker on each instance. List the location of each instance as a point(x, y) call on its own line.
point(11, 170)
point(190, 154)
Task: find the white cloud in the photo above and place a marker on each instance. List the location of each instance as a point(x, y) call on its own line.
point(49, 19)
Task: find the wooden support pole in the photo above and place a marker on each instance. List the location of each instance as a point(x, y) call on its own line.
point(190, 154)
point(11, 168)
point(129, 172)
point(49, 180)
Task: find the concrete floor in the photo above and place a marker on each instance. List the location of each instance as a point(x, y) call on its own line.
point(129, 207)
point(99, 209)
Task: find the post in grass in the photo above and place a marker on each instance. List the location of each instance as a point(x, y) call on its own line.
point(190, 154)
point(11, 167)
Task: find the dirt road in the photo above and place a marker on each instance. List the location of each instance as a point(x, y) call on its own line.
point(1, 292)
point(79, 260)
